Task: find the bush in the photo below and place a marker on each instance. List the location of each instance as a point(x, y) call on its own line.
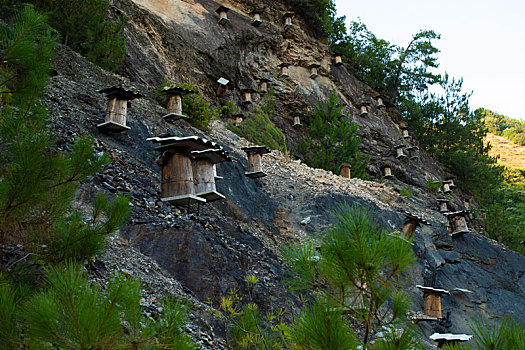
point(79, 239)
point(405, 192)
point(434, 186)
point(505, 334)
point(259, 128)
point(199, 110)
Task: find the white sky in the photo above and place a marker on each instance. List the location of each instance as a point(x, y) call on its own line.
point(482, 41)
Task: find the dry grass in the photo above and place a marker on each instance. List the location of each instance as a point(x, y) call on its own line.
point(510, 153)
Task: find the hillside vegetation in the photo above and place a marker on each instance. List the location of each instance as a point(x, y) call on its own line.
point(509, 153)
point(500, 125)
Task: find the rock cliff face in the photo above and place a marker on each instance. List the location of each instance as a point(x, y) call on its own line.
point(210, 251)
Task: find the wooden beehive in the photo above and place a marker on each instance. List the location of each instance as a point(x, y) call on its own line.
point(460, 223)
point(363, 108)
point(296, 119)
point(433, 305)
point(443, 205)
point(256, 17)
point(284, 69)
point(174, 105)
point(223, 86)
point(313, 70)
point(338, 60)
point(204, 172)
point(458, 220)
point(247, 96)
point(177, 181)
point(432, 297)
point(411, 223)
point(238, 118)
point(446, 187)
point(223, 15)
point(388, 172)
point(288, 19)
point(399, 151)
point(255, 154)
point(451, 181)
point(117, 108)
point(344, 170)
point(263, 84)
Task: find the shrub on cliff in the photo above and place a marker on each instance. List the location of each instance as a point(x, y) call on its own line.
point(259, 128)
point(85, 28)
point(333, 140)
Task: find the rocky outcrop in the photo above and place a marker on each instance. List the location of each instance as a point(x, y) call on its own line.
point(210, 251)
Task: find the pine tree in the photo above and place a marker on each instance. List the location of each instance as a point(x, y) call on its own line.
point(85, 28)
point(332, 139)
point(37, 183)
point(356, 270)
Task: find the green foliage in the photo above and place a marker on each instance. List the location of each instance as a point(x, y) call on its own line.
point(38, 183)
point(449, 131)
point(333, 140)
point(321, 16)
point(399, 339)
point(26, 48)
point(357, 268)
point(434, 186)
point(72, 313)
point(320, 326)
point(505, 334)
point(259, 128)
point(498, 124)
point(84, 27)
point(78, 239)
point(388, 68)
point(8, 313)
point(405, 192)
point(249, 328)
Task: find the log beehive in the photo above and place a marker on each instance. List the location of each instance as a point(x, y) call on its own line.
point(313, 70)
point(255, 154)
point(338, 60)
point(288, 19)
point(411, 223)
point(223, 86)
point(223, 15)
point(117, 108)
point(284, 69)
point(174, 105)
point(177, 180)
point(344, 170)
point(204, 172)
point(458, 220)
point(388, 172)
point(432, 298)
point(256, 17)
